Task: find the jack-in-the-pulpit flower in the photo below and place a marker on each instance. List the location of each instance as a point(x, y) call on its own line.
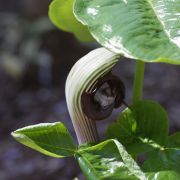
point(85, 103)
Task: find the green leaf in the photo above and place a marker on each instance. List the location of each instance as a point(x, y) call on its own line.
point(61, 14)
point(142, 127)
point(174, 141)
point(146, 30)
point(108, 160)
point(52, 139)
point(163, 175)
point(160, 160)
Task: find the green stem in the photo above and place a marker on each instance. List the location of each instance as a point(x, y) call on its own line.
point(138, 81)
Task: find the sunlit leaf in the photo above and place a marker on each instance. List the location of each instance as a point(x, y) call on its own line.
point(142, 127)
point(52, 139)
point(61, 14)
point(108, 160)
point(145, 30)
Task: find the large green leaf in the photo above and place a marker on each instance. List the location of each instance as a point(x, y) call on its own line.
point(141, 127)
point(148, 30)
point(160, 160)
point(61, 14)
point(163, 175)
point(52, 139)
point(108, 160)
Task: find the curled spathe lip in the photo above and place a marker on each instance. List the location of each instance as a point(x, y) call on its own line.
point(108, 93)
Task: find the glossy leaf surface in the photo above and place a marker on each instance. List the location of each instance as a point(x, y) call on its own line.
point(108, 160)
point(141, 127)
point(61, 14)
point(138, 29)
point(52, 139)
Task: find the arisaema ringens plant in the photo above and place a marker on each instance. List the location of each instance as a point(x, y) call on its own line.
point(147, 31)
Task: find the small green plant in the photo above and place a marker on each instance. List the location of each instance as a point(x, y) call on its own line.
point(146, 31)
